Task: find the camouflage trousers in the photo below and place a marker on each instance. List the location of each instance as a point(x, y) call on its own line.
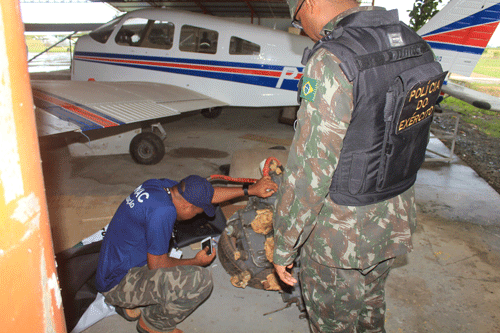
point(166, 295)
point(344, 300)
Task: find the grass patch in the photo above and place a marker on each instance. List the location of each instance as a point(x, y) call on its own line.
point(488, 66)
point(489, 63)
point(487, 122)
point(490, 89)
point(37, 46)
point(54, 49)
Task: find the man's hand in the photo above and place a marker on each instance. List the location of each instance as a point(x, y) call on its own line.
point(285, 275)
point(203, 259)
point(263, 188)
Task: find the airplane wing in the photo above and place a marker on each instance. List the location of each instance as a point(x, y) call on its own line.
point(64, 106)
point(476, 98)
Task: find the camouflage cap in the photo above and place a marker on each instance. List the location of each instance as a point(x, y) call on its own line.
point(293, 6)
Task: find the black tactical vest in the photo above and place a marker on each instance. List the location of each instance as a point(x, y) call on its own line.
point(396, 82)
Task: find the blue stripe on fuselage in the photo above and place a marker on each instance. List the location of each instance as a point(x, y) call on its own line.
point(182, 60)
point(271, 82)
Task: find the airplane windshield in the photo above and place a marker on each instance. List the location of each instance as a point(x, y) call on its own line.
point(102, 33)
point(132, 32)
point(142, 32)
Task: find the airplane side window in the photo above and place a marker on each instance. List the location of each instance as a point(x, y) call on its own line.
point(132, 32)
point(240, 46)
point(199, 40)
point(102, 33)
point(160, 36)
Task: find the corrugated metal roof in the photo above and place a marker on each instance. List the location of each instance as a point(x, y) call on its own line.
point(254, 9)
point(223, 8)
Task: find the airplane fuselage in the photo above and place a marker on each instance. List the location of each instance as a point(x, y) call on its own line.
point(239, 64)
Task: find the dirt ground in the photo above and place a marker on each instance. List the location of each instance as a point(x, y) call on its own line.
point(478, 150)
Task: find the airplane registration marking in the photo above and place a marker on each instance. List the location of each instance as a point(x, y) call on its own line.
point(73, 109)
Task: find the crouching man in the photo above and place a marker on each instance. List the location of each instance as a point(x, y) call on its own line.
point(135, 272)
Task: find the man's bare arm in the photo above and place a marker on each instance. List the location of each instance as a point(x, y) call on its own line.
point(263, 188)
point(201, 259)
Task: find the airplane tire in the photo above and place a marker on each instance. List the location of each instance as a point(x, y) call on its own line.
point(211, 113)
point(147, 148)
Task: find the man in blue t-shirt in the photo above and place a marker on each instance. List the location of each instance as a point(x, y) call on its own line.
point(135, 272)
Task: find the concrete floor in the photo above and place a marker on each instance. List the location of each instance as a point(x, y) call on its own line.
point(449, 283)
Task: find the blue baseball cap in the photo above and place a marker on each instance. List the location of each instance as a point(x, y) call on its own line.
point(199, 192)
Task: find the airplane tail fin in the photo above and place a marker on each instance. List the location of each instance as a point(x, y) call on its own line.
point(459, 33)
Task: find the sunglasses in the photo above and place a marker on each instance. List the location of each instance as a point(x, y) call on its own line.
point(296, 23)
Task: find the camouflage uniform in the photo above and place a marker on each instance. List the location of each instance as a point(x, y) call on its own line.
point(346, 251)
point(166, 295)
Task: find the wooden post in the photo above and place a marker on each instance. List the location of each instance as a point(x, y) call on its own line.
point(30, 300)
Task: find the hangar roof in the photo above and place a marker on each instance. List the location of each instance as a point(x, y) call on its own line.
point(225, 8)
point(254, 9)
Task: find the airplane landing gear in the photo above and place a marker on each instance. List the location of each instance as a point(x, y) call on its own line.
point(145, 145)
point(211, 113)
point(147, 148)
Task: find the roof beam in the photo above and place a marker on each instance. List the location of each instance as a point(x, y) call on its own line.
point(54, 27)
point(252, 11)
point(203, 8)
point(153, 3)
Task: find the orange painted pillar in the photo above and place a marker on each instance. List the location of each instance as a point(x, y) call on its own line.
point(30, 299)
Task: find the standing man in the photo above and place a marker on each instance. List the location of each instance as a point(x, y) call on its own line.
point(347, 200)
point(135, 272)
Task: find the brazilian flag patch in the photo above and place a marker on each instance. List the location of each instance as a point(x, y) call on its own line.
point(309, 88)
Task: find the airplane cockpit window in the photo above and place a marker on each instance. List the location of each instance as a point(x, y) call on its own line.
point(160, 35)
point(102, 33)
point(146, 33)
point(132, 32)
point(196, 39)
point(243, 47)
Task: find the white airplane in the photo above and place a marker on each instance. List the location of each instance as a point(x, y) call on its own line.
point(155, 63)
point(458, 35)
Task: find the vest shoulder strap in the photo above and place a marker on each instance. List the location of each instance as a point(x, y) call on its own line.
point(355, 58)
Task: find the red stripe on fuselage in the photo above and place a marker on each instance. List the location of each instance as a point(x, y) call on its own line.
point(478, 36)
point(75, 109)
point(193, 67)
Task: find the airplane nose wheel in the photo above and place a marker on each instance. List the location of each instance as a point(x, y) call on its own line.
point(147, 148)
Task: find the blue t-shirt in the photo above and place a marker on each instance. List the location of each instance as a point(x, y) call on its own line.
point(142, 224)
